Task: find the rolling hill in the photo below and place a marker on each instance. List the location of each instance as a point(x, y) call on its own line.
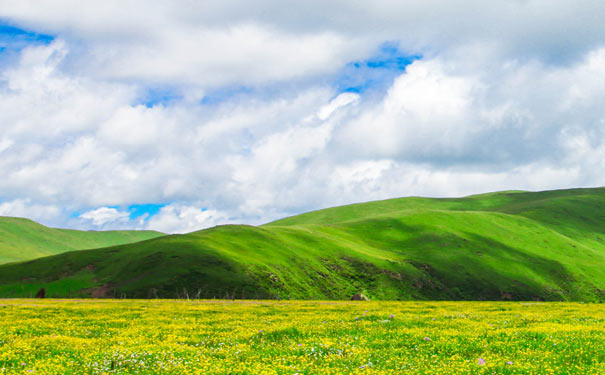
point(498, 246)
point(23, 239)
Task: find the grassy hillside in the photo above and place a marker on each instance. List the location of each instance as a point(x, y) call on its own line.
point(23, 239)
point(508, 245)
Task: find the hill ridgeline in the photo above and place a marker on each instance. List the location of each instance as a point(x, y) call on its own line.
point(499, 246)
point(23, 239)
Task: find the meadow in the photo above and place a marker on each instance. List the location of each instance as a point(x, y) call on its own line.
point(299, 337)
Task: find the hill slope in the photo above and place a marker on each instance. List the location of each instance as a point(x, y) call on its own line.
point(510, 245)
point(23, 239)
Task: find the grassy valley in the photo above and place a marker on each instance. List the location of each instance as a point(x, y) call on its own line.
point(498, 246)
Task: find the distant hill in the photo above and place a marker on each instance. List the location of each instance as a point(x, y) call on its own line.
point(23, 239)
point(499, 246)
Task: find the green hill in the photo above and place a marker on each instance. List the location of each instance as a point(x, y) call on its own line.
point(508, 245)
point(23, 239)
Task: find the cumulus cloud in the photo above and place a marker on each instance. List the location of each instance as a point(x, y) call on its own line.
point(105, 215)
point(5, 143)
point(441, 114)
point(340, 101)
point(426, 111)
point(163, 44)
point(255, 127)
point(31, 210)
point(230, 42)
point(180, 218)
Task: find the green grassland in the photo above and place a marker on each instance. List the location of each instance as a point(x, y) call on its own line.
point(300, 337)
point(23, 239)
point(498, 246)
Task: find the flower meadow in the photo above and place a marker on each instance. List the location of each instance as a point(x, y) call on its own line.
point(299, 337)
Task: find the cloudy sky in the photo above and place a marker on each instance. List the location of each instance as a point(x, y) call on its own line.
point(180, 115)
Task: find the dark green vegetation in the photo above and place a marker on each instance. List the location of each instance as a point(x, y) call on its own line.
point(23, 239)
point(508, 245)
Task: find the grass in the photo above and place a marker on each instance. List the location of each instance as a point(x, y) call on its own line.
point(23, 239)
point(498, 246)
point(302, 337)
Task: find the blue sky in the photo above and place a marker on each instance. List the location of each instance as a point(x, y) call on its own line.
point(14, 36)
point(375, 73)
point(14, 39)
point(144, 210)
point(184, 116)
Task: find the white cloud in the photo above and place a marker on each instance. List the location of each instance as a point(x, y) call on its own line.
point(230, 42)
point(39, 100)
point(361, 179)
point(26, 208)
point(336, 103)
point(137, 126)
point(428, 93)
point(212, 57)
point(426, 110)
point(105, 215)
point(511, 98)
point(179, 218)
point(157, 45)
point(517, 114)
point(5, 143)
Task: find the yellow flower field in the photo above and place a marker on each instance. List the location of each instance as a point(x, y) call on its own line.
point(302, 337)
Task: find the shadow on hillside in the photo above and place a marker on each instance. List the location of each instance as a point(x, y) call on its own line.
point(470, 266)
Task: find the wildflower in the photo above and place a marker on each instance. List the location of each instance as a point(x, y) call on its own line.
point(509, 362)
point(481, 361)
point(427, 339)
point(392, 316)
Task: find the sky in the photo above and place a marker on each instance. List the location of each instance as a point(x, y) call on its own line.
point(181, 115)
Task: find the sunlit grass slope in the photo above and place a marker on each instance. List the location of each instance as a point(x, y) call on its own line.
point(23, 239)
point(509, 245)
